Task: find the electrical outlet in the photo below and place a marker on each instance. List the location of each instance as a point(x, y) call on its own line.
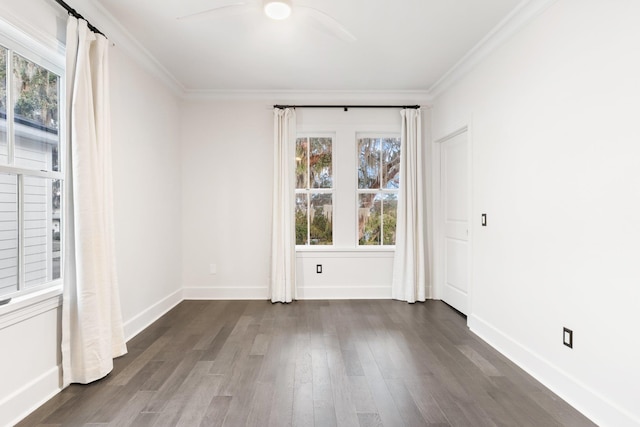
point(319, 268)
point(213, 269)
point(567, 337)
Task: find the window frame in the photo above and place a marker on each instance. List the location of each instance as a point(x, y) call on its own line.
point(15, 41)
point(381, 190)
point(308, 191)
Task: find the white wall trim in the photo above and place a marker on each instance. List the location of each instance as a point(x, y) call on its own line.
point(137, 324)
point(524, 13)
point(586, 400)
point(226, 293)
point(19, 404)
point(311, 252)
point(332, 96)
point(325, 292)
point(30, 305)
point(344, 292)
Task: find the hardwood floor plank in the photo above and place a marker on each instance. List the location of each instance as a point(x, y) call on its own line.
point(173, 383)
point(361, 395)
point(303, 404)
point(309, 363)
point(383, 400)
point(242, 390)
point(422, 395)
point(128, 413)
point(260, 408)
point(344, 408)
point(282, 402)
point(216, 412)
point(483, 364)
point(369, 419)
point(172, 407)
point(404, 402)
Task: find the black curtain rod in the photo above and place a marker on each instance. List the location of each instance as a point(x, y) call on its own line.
point(71, 11)
point(346, 107)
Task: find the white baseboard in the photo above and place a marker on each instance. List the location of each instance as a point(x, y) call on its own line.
point(309, 293)
point(19, 404)
point(134, 326)
point(586, 400)
point(345, 292)
point(230, 293)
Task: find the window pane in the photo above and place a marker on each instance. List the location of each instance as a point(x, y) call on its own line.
point(35, 92)
point(368, 163)
point(302, 149)
point(41, 230)
point(301, 219)
point(390, 215)
point(390, 152)
point(369, 206)
point(321, 219)
point(3, 106)
point(8, 234)
point(320, 163)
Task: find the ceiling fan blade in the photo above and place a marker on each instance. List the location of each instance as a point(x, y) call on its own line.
point(326, 22)
point(229, 6)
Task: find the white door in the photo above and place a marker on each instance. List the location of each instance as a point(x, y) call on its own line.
point(454, 160)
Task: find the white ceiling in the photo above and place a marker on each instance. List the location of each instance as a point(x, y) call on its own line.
point(402, 45)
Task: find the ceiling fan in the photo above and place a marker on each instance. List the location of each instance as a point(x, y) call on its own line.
point(278, 10)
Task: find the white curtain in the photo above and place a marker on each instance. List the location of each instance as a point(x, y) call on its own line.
point(92, 329)
point(283, 255)
point(410, 264)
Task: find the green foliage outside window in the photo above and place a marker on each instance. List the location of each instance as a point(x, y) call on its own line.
point(378, 181)
point(314, 199)
point(35, 90)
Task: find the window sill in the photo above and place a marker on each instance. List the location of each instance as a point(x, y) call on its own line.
point(24, 307)
point(334, 252)
point(345, 249)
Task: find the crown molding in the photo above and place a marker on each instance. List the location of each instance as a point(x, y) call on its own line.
point(524, 13)
point(123, 39)
point(288, 96)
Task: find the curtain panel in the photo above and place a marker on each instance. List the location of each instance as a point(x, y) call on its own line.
point(410, 264)
point(92, 329)
point(283, 244)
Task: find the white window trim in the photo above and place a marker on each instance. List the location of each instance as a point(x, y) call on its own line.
point(29, 305)
point(359, 191)
point(307, 191)
point(346, 131)
point(26, 303)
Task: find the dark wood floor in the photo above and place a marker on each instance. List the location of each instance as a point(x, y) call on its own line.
point(322, 363)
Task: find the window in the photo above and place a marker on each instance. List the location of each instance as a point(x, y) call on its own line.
point(378, 183)
point(314, 190)
point(30, 172)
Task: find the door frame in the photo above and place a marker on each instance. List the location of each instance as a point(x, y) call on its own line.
point(439, 235)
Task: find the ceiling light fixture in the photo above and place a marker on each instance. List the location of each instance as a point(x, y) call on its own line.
point(277, 9)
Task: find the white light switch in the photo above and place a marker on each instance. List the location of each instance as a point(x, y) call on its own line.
point(213, 269)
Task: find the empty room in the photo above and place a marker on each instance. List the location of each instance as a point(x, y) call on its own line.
point(319, 213)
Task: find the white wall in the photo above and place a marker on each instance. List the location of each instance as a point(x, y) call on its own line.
point(147, 182)
point(227, 156)
point(226, 198)
point(147, 185)
point(553, 116)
